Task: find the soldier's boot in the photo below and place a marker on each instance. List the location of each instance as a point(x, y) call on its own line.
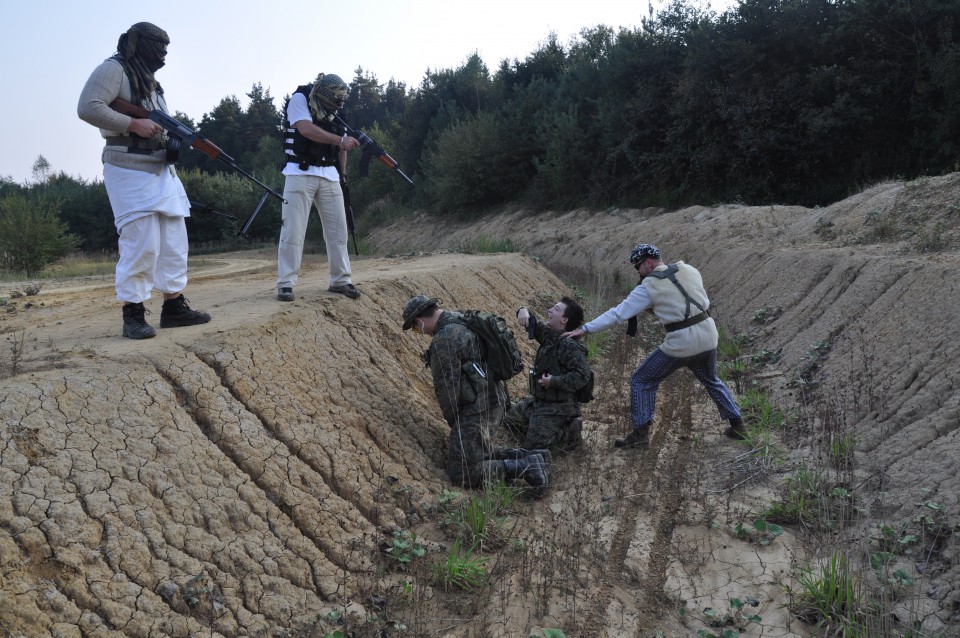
point(574, 435)
point(736, 429)
point(636, 439)
point(530, 469)
point(135, 326)
point(176, 313)
point(519, 454)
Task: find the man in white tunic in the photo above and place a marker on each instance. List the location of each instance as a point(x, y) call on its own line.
point(675, 294)
point(149, 202)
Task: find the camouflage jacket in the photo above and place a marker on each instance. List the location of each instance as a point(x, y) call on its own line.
point(565, 360)
point(458, 379)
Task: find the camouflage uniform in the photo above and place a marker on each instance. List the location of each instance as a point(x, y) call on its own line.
point(542, 419)
point(472, 406)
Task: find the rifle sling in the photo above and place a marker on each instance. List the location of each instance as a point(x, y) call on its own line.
point(686, 323)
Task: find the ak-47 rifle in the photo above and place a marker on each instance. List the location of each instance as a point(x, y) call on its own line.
point(199, 207)
point(180, 133)
point(371, 149)
point(348, 208)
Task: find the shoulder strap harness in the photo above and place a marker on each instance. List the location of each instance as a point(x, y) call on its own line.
point(671, 274)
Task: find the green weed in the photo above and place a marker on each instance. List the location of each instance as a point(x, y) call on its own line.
point(841, 451)
point(485, 244)
point(479, 519)
point(829, 597)
point(461, 570)
point(809, 500)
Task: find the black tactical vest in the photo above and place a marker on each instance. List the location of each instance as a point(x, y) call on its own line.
point(306, 152)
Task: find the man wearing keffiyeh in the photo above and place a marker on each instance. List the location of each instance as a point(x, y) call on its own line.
point(148, 200)
point(315, 146)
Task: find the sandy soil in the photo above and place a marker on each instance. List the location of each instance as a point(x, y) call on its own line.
point(241, 478)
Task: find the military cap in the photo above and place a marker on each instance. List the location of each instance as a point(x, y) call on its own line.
point(415, 307)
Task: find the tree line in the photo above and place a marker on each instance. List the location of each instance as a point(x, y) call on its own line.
point(786, 101)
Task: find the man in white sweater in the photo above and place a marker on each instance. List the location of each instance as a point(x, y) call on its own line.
point(149, 202)
point(675, 294)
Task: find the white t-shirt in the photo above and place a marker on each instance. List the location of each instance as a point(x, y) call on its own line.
point(297, 111)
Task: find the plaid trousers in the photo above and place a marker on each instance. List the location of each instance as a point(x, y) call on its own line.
point(658, 366)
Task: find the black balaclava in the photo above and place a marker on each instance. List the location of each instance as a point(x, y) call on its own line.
point(140, 50)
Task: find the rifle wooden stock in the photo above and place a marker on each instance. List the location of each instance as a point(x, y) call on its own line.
point(130, 109)
point(208, 148)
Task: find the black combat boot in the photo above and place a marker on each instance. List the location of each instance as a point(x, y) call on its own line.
point(520, 454)
point(530, 470)
point(736, 429)
point(134, 324)
point(636, 439)
point(176, 313)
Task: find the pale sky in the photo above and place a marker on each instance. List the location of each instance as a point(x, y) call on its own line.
point(218, 49)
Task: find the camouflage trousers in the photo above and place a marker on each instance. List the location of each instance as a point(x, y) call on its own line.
point(541, 424)
point(469, 462)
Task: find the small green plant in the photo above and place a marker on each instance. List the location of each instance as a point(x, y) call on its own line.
point(461, 570)
point(735, 618)
point(766, 315)
point(732, 365)
point(805, 375)
point(825, 230)
point(894, 542)
point(195, 588)
point(549, 633)
point(766, 357)
point(331, 617)
point(759, 411)
point(883, 564)
point(447, 497)
point(404, 547)
point(203, 597)
point(17, 341)
point(762, 532)
point(928, 240)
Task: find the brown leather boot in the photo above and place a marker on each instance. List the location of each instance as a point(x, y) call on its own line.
point(736, 429)
point(636, 439)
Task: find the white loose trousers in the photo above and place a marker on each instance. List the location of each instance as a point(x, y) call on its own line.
point(153, 256)
point(149, 212)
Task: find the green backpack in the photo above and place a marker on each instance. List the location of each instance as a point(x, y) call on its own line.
point(497, 343)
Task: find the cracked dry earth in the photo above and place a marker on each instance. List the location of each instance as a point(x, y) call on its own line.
point(239, 478)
